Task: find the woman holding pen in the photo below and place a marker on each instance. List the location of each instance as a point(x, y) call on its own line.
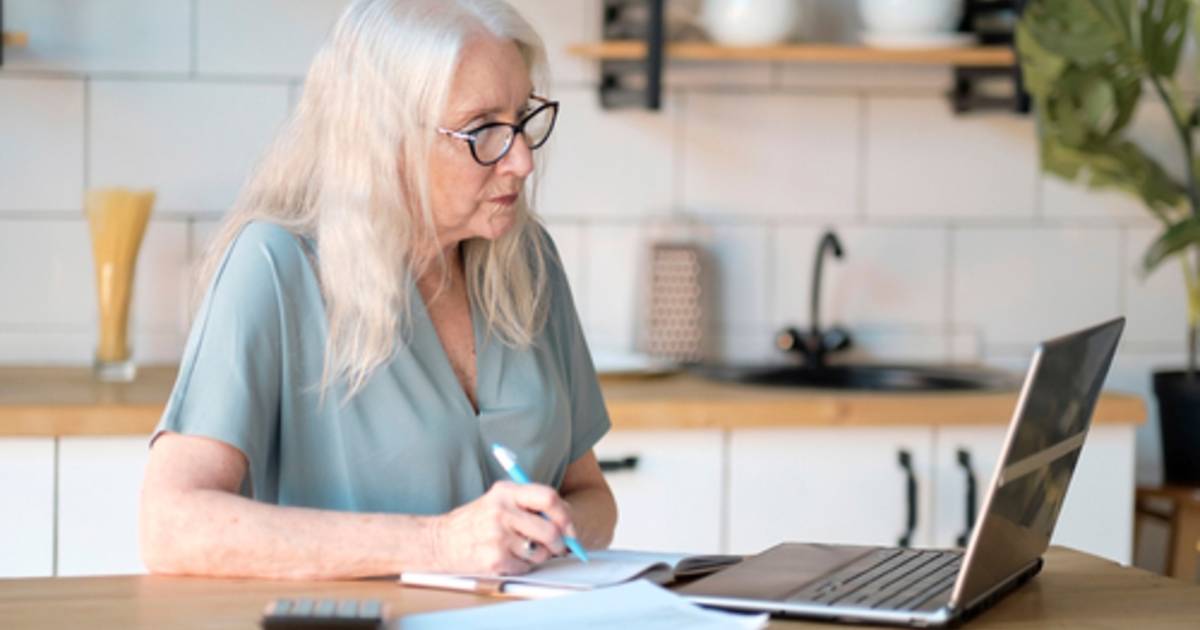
point(380, 307)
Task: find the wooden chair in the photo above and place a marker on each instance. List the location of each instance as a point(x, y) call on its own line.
point(1177, 508)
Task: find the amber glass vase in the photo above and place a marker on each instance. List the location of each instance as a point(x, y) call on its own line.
point(117, 220)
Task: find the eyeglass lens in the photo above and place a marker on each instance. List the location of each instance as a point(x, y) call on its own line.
point(491, 143)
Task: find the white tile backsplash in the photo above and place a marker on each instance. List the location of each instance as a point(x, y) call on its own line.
point(719, 75)
point(161, 282)
point(587, 164)
point(1023, 285)
point(742, 266)
point(41, 144)
point(195, 143)
point(261, 38)
point(561, 24)
point(21, 345)
point(46, 269)
point(113, 36)
point(569, 240)
point(888, 276)
point(202, 231)
point(615, 255)
point(923, 161)
point(770, 155)
point(53, 315)
point(1155, 304)
point(747, 346)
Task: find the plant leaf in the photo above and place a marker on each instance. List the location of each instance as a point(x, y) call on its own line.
point(1163, 31)
point(1174, 240)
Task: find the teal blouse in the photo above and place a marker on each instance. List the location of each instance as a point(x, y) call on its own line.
point(409, 441)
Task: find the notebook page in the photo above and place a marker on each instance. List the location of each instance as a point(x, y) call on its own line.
point(604, 568)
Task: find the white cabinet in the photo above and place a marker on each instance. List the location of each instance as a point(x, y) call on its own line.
point(696, 491)
point(27, 512)
point(834, 485)
point(982, 445)
point(100, 480)
point(1097, 516)
point(844, 485)
point(672, 499)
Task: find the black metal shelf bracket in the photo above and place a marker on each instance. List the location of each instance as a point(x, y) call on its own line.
point(625, 83)
point(993, 21)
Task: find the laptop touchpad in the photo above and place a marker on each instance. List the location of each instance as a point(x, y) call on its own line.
point(775, 573)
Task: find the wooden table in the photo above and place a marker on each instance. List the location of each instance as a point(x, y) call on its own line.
point(1075, 590)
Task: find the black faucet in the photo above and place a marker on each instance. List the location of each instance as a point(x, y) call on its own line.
point(816, 344)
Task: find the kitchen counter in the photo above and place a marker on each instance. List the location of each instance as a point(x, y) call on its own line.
point(56, 401)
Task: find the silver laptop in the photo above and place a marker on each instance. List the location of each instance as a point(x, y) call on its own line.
point(933, 587)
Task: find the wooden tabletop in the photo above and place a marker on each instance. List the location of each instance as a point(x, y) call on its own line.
point(1074, 590)
point(68, 401)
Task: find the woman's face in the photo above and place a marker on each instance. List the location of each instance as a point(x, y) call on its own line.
point(470, 200)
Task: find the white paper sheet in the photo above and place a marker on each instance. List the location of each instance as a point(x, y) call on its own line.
point(636, 605)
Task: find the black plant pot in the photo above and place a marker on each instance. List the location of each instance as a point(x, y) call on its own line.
point(1179, 422)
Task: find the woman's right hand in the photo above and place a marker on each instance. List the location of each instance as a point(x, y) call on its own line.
point(491, 534)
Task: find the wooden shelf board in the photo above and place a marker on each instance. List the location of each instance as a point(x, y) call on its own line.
point(817, 53)
point(16, 39)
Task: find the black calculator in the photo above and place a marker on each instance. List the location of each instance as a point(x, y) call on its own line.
point(324, 614)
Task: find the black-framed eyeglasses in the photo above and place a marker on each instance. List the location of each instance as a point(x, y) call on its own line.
point(490, 142)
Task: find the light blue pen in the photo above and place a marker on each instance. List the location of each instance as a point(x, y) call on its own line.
point(508, 460)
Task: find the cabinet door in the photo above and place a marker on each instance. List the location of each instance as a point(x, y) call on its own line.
point(1097, 516)
point(100, 479)
point(834, 485)
point(671, 500)
point(981, 446)
point(27, 497)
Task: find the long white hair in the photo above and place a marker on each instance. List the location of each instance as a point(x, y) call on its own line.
point(370, 102)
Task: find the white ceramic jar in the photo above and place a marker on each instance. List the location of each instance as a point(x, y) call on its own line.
point(750, 22)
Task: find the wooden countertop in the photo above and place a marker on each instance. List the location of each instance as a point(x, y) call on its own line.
point(1074, 590)
point(67, 401)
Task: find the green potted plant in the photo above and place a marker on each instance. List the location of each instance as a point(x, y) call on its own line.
point(1086, 64)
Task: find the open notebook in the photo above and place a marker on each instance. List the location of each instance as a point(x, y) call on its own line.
point(559, 576)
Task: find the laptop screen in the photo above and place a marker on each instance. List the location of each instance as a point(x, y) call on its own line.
point(1044, 442)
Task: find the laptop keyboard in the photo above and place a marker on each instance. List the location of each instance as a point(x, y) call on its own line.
point(893, 579)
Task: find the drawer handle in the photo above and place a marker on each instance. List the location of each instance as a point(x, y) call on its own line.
point(964, 461)
point(619, 464)
point(905, 459)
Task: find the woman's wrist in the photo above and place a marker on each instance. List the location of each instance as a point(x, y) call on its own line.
point(432, 540)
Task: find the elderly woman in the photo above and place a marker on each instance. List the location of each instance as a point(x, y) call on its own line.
point(380, 306)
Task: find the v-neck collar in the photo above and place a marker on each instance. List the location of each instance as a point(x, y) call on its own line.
point(443, 360)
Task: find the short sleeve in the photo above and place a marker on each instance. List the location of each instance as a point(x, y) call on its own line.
point(228, 387)
point(589, 416)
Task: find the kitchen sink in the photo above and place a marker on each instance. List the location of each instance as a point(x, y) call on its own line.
point(867, 377)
